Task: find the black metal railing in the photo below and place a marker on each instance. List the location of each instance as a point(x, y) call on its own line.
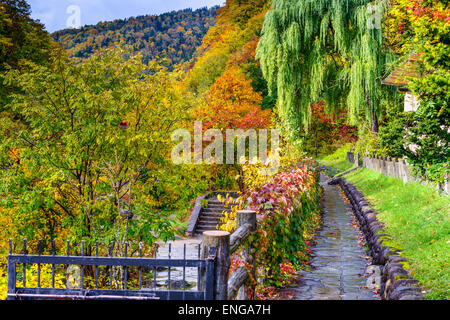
point(205, 266)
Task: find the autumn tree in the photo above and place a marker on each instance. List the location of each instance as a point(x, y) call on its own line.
point(232, 103)
point(326, 131)
point(173, 36)
point(236, 25)
point(83, 163)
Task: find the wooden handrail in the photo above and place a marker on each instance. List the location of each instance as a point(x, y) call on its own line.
point(236, 281)
point(245, 225)
point(239, 237)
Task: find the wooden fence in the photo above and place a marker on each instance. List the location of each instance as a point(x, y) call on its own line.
point(230, 286)
point(397, 168)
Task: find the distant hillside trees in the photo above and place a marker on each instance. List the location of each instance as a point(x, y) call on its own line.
point(21, 38)
point(173, 36)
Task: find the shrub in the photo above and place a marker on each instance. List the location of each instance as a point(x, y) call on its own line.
point(287, 207)
point(288, 211)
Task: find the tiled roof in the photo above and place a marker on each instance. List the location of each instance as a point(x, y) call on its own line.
point(399, 77)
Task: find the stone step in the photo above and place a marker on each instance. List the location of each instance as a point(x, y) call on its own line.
point(217, 203)
point(212, 213)
point(207, 223)
point(215, 210)
point(209, 218)
point(202, 229)
point(213, 205)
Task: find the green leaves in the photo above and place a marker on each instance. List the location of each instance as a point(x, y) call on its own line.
point(323, 50)
point(86, 133)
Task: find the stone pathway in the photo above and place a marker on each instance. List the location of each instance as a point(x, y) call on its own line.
point(338, 265)
point(339, 262)
point(176, 273)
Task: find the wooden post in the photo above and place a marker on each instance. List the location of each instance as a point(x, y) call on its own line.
point(246, 216)
point(221, 241)
point(357, 160)
point(243, 217)
point(394, 168)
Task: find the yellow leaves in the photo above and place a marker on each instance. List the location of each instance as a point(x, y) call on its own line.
point(229, 218)
point(3, 284)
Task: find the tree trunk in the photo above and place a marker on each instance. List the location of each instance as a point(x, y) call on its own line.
point(315, 143)
point(374, 118)
point(374, 122)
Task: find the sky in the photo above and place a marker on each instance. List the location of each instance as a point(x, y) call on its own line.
point(61, 14)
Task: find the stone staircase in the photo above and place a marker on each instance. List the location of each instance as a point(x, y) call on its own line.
point(209, 217)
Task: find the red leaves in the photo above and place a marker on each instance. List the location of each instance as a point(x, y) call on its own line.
point(287, 268)
point(421, 9)
point(281, 193)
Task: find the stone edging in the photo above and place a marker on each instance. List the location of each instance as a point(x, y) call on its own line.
point(396, 283)
point(195, 213)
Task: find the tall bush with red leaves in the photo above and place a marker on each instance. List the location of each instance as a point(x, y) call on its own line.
point(288, 212)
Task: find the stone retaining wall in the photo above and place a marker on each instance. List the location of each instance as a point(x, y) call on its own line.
point(396, 283)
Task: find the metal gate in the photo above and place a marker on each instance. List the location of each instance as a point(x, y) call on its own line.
point(206, 269)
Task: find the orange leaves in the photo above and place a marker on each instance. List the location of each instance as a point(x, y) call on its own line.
point(247, 52)
point(232, 103)
point(14, 154)
point(233, 88)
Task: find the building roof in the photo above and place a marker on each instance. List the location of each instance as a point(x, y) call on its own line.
point(409, 69)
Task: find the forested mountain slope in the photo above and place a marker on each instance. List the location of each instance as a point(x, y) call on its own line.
point(227, 54)
point(173, 36)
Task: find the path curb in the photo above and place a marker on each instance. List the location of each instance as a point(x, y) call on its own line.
point(396, 283)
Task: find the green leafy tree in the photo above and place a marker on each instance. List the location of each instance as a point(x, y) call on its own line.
point(94, 131)
point(324, 50)
point(20, 38)
point(423, 27)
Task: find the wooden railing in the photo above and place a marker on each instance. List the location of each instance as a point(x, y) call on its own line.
point(397, 168)
point(230, 286)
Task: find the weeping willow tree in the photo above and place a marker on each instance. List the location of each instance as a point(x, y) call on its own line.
point(328, 50)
